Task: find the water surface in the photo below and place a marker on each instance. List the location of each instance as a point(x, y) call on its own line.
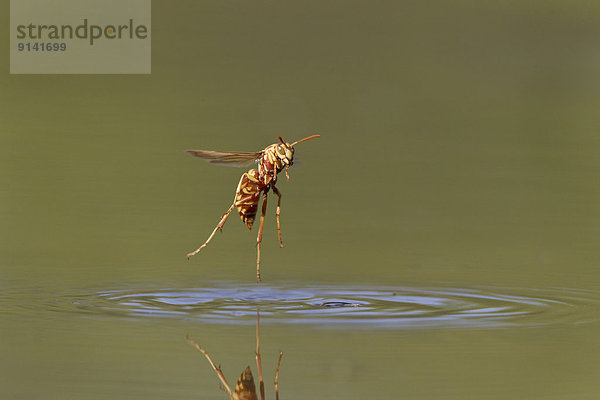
point(346, 307)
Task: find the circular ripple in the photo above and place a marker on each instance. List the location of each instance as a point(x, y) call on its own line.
point(369, 307)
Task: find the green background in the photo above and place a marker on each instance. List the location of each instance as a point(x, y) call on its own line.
point(459, 146)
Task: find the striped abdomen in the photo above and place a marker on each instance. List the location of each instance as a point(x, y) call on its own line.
point(247, 196)
point(245, 388)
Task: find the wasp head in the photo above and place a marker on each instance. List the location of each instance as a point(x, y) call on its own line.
point(285, 152)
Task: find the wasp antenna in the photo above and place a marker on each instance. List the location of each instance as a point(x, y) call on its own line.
point(306, 138)
point(279, 137)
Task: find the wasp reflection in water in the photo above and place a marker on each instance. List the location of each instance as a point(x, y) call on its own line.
point(244, 388)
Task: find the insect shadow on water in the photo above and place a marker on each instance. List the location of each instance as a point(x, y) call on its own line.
point(271, 161)
point(244, 388)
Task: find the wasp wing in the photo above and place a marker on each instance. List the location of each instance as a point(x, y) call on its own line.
point(231, 158)
point(244, 388)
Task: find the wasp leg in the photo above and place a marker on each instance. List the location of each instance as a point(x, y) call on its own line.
point(259, 237)
point(219, 227)
point(258, 363)
point(276, 191)
point(218, 370)
point(277, 376)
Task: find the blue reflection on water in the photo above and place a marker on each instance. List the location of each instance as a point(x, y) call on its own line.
point(332, 307)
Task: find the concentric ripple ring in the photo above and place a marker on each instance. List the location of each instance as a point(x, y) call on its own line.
point(332, 307)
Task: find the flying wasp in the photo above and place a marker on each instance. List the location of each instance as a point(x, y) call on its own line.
point(271, 161)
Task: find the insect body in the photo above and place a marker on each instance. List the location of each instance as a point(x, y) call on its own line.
point(271, 161)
